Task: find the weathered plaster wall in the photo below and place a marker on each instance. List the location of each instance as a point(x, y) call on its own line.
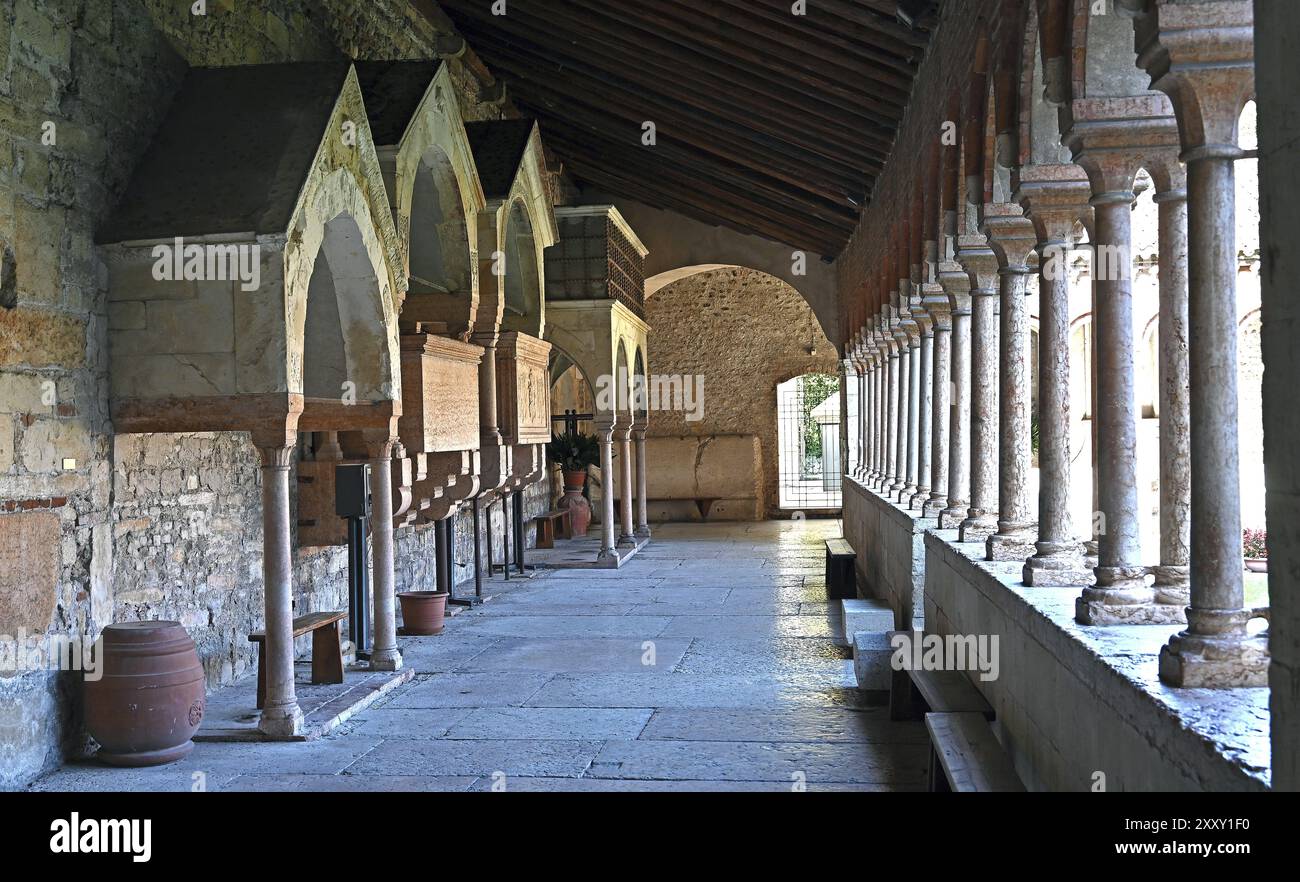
point(146, 526)
point(744, 332)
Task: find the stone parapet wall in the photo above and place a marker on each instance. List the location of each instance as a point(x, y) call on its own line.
point(889, 542)
point(1074, 702)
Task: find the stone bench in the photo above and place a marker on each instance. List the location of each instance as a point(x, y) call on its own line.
point(841, 573)
point(871, 660)
point(326, 650)
point(965, 757)
point(858, 614)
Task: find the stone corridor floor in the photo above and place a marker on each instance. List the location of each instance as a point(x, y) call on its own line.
point(708, 662)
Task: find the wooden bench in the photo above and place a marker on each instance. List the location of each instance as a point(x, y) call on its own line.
point(913, 693)
point(326, 651)
point(841, 575)
point(546, 527)
point(966, 758)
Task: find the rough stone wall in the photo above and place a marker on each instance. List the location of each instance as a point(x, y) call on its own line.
point(744, 331)
point(172, 527)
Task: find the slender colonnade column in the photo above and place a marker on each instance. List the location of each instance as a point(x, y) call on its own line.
point(981, 518)
point(1012, 238)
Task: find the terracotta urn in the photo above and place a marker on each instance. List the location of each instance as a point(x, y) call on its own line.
point(575, 503)
point(423, 612)
point(148, 700)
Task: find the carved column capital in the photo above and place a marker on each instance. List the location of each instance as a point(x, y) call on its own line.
point(1111, 138)
point(1055, 198)
point(1202, 55)
point(1010, 234)
point(979, 262)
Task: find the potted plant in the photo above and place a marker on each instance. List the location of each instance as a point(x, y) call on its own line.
point(574, 453)
point(1255, 546)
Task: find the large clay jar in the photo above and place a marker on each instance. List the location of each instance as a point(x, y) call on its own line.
point(575, 503)
point(149, 701)
point(422, 612)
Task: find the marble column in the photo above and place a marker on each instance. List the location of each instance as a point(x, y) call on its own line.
point(891, 415)
point(1012, 238)
point(924, 433)
point(902, 336)
point(627, 536)
point(941, 400)
point(281, 718)
point(869, 415)
point(1172, 574)
point(1110, 142)
point(1055, 198)
point(1215, 650)
point(384, 655)
point(981, 264)
point(956, 284)
point(884, 379)
point(914, 380)
point(606, 434)
point(642, 520)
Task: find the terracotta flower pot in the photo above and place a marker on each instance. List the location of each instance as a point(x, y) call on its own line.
point(423, 612)
point(575, 503)
point(1257, 564)
point(149, 701)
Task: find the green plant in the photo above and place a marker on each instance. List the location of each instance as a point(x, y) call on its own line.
point(1254, 543)
point(574, 451)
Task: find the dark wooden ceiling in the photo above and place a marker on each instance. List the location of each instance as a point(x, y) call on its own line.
point(767, 122)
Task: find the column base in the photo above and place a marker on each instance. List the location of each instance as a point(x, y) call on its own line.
point(1057, 569)
point(933, 507)
point(1218, 662)
point(1011, 543)
point(977, 528)
point(282, 723)
point(607, 554)
point(951, 517)
point(905, 495)
point(1121, 597)
point(643, 531)
point(918, 499)
point(627, 540)
point(1173, 584)
point(386, 660)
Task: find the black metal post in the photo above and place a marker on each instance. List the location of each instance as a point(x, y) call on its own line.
point(505, 538)
point(358, 588)
point(478, 562)
point(519, 531)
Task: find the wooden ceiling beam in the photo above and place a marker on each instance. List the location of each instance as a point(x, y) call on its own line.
point(665, 158)
point(889, 72)
point(619, 185)
point(649, 41)
point(764, 110)
point(612, 95)
point(690, 35)
point(691, 184)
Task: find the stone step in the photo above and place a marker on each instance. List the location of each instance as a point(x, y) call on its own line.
point(871, 655)
point(865, 615)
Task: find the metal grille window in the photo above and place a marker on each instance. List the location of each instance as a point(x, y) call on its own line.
point(808, 432)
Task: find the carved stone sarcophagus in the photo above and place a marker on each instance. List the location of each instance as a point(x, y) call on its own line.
point(523, 389)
